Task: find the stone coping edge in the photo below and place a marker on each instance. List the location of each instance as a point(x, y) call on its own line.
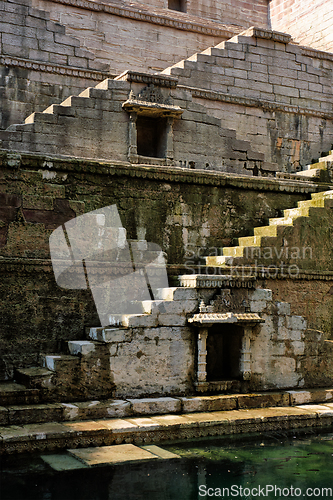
point(57, 69)
point(156, 429)
point(34, 161)
point(11, 414)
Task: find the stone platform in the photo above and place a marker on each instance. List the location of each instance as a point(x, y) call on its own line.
point(251, 414)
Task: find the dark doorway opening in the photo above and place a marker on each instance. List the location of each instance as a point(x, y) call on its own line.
point(151, 136)
point(179, 5)
point(224, 343)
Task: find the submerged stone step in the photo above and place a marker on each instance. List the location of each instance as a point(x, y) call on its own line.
point(105, 455)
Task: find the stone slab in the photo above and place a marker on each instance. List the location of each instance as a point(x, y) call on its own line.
point(112, 454)
point(326, 410)
point(34, 413)
point(96, 409)
point(208, 403)
point(262, 400)
point(12, 393)
point(63, 461)
point(154, 406)
point(156, 450)
point(310, 396)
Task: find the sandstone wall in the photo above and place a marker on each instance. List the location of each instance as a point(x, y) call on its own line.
point(237, 12)
point(309, 22)
point(49, 51)
point(276, 95)
point(135, 36)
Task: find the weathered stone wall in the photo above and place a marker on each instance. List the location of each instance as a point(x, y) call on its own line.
point(39, 63)
point(188, 213)
point(295, 347)
point(309, 21)
point(276, 95)
point(135, 36)
point(49, 51)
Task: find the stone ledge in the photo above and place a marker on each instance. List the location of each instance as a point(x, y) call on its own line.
point(275, 36)
point(174, 174)
point(139, 77)
point(57, 436)
point(20, 413)
point(254, 103)
point(54, 68)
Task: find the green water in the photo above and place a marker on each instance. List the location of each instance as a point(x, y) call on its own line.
point(272, 466)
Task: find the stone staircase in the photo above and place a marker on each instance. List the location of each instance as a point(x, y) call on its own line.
point(40, 130)
point(284, 239)
point(82, 371)
point(319, 171)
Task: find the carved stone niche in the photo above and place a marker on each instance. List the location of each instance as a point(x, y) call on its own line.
point(223, 348)
point(151, 126)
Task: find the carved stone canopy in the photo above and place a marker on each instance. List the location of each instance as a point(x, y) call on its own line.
point(209, 319)
point(151, 102)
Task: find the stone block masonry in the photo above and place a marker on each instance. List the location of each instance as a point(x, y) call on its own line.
point(39, 63)
point(273, 92)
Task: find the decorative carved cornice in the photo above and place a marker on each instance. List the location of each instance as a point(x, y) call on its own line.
point(139, 14)
point(235, 279)
point(316, 54)
point(148, 79)
point(275, 36)
point(255, 103)
point(37, 162)
point(88, 74)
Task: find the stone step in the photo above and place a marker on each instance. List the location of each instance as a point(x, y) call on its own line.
point(327, 195)
point(81, 347)
point(107, 334)
point(53, 436)
point(281, 221)
point(233, 251)
point(266, 231)
point(219, 260)
point(296, 212)
point(328, 157)
point(13, 393)
point(60, 362)
point(13, 414)
point(34, 377)
point(249, 241)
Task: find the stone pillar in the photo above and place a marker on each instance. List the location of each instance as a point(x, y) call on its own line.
point(132, 138)
point(169, 141)
point(202, 354)
point(245, 364)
